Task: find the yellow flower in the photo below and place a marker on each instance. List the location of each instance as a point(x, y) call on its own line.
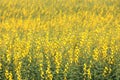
point(89, 73)
point(10, 76)
point(6, 74)
point(85, 69)
point(0, 66)
point(105, 71)
point(96, 54)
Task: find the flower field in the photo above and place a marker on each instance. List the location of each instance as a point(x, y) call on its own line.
point(59, 40)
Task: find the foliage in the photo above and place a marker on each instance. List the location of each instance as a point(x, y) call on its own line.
point(59, 40)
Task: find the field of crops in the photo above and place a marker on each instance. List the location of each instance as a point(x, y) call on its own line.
point(59, 39)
